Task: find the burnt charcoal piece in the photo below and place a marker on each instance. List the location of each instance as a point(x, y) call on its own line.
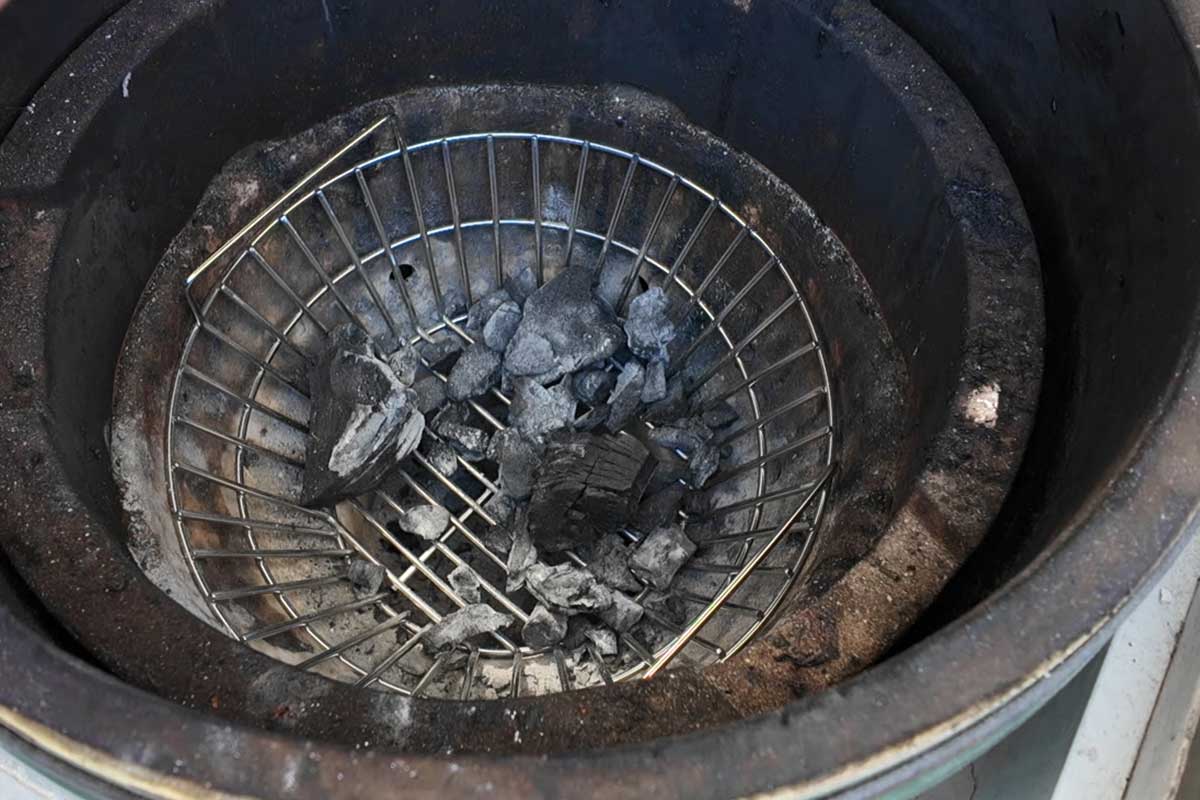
point(593, 386)
point(427, 521)
point(440, 455)
point(577, 628)
point(465, 583)
point(471, 443)
point(483, 309)
point(477, 371)
point(364, 420)
point(648, 327)
point(685, 435)
point(521, 284)
point(523, 554)
point(593, 420)
point(458, 627)
point(672, 406)
point(610, 563)
point(454, 302)
point(626, 396)
point(439, 353)
point(660, 508)
point(702, 465)
point(531, 354)
point(536, 410)
point(720, 415)
point(431, 394)
point(655, 386)
point(545, 628)
point(565, 314)
point(501, 508)
point(366, 578)
point(585, 486)
point(623, 614)
point(567, 588)
point(499, 330)
point(604, 640)
point(671, 608)
point(517, 458)
point(404, 363)
point(661, 554)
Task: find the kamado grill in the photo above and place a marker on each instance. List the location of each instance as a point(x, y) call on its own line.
point(642, 408)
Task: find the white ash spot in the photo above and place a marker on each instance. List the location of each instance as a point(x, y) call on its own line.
point(982, 406)
point(125, 84)
point(244, 193)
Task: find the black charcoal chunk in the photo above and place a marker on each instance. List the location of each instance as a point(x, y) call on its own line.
point(593, 386)
point(530, 354)
point(461, 625)
point(545, 628)
point(626, 396)
point(469, 442)
point(720, 415)
point(536, 410)
point(661, 554)
point(364, 420)
point(438, 353)
point(623, 614)
point(687, 436)
point(702, 465)
point(567, 588)
point(672, 406)
point(517, 458)
point(592, 421)
point(440, 456)
point(648, 327)
point(499, 330)
point(604, 640)
point(660, 508)
point(426, 521)
point(475, 372)
point(586, 485)
point(566, 315)
point(483, 309)
point(654, 387)
point(431, 394)
point(366, 578)
point(610, 563)
point(523, 554)
point(465, 583)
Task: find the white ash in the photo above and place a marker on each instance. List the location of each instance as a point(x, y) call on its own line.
point(648, 327)
point(475, 373)
point(366, 578)
point(545, 628)
point(458, 627)
point(567, 588)
point(661, 554)
point(428, 522)
point(465, 583)
point(604, 640)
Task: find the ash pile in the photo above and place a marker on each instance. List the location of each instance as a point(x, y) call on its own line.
point(542, 443)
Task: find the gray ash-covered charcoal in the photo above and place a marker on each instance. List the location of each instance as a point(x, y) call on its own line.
point(660, 508)
point(685, 435)
point(661, 554)
point(522, 554)
point(431, 394)
point(567, 588)
point(500, 507)
point(648, 327)
point(702, 465)
point(672, 406)
point(626, 396)
point(437, 353)
point(366, 578)
point(440, 455)
point(363, 422)
point(483, 309)
point(565, 313)
point(536, 410)
point(593, 386)
point(720, 415)
point(465, 583)
point(405, 361)
point(499, 330)
point(469, 442)
point(531, 354)
point(603, 639)
point(654, 386)
point(521, 284)
point(475, 372)
point(545, 628)
point(428, 522)
point(609, 561)
point(622, 614)
point(456, 628)
point(586, 485)
point(454, 302)
point(517, 458)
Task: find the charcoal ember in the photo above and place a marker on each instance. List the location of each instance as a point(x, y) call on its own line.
point(648, 327)
point(456, 628)
point(609, 561)
point(440, 455)
point(660, 508)
point(567, 588)
point(477, 371)
point(483, 309)
point(585, 486)
point(517, 458)
point(622, 614)
point(702, 465)
point(654, 386)
point(530, 354)
point(469, 442)
point(593, 386)
point(366, 578)
point(565, 313)
point(719, 415)
point(604, 640)
point(536, 410)
point(672, 406)
point(661, 554)
point(364, 420)
point(521, 284)
point(626, 396)
point(502, 326)
point(428, 522)
point(465, 583)
point(439, 352)
point(666, 606)
point(522, 555)
point(405, 361)
point(431, 394)
point(545, 628)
